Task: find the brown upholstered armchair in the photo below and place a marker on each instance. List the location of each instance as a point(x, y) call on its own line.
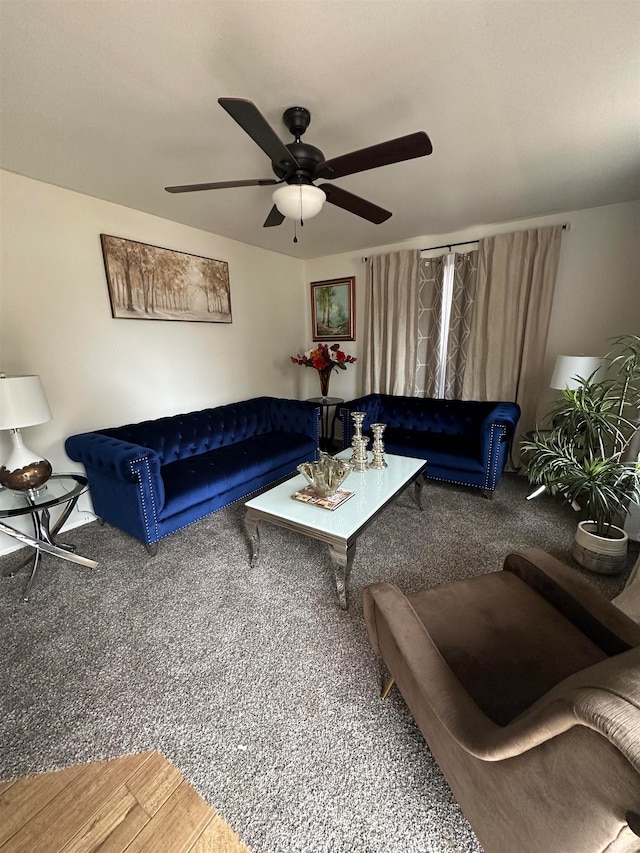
point(526, 685)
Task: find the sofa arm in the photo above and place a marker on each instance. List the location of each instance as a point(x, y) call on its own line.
point(125, 482)
point(605, 625)
point(426, 681)
point(502, 419)
point(496, 433)
point(506, 415)
point(111, 456)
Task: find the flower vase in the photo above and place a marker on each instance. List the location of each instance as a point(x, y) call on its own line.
point(325, 376)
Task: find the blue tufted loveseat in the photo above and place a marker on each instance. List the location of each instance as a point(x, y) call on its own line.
point(154, 477)
point(463, 441)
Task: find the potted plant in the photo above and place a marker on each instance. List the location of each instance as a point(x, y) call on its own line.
point(589, 455)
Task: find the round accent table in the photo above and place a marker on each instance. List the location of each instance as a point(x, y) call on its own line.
point(327, 421)
point(59, 490)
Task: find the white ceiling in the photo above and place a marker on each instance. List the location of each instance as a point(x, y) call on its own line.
point(532, 106)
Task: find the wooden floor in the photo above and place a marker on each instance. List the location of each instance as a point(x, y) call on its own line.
point(135, 803)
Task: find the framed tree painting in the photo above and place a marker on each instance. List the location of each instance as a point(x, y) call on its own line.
point(150, 283)
point(333, 309)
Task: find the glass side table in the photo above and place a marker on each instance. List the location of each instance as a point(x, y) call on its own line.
point(327, 422)
point(59, 490)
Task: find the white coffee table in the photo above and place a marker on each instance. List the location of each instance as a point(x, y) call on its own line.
point(339, 528)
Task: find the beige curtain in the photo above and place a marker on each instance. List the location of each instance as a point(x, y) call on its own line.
point(514, 292)
point(391, 323)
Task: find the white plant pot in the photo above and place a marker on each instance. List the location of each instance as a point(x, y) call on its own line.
point(606, 555)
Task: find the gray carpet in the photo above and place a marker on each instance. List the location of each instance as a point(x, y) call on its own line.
point(253, 681)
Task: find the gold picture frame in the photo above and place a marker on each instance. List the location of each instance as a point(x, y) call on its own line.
point(333, 309)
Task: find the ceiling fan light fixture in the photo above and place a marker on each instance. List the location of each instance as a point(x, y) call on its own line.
point(299, 201)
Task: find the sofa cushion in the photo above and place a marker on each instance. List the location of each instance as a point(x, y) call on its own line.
point(462, 418)
point(442, 450)
point(503, 644)
point(196, 479)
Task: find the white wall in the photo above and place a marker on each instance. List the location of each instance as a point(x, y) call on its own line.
point(597, 291)
point(55, 320)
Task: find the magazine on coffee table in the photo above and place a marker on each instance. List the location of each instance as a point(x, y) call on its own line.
point(309, 496)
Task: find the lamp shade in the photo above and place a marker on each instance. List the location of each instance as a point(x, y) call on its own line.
point(22, 402)
point(299, 201)
point(568, 367)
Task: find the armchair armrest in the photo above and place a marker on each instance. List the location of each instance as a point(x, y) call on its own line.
point(605, 625)
point(390, 616)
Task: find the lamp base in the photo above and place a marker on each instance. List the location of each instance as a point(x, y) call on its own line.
point(23, 471)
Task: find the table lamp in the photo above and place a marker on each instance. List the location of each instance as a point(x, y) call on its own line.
point(22, 404)
point(568, 367)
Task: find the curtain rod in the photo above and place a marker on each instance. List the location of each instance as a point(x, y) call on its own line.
point(565, 227)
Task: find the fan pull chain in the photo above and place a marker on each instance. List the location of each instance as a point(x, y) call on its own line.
point(295, 221)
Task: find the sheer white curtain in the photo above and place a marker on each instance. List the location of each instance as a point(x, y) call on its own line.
point(391, 323)
point(516, 282)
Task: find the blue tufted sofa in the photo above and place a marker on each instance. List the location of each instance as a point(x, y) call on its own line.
point(463, 441)
point(152, 478)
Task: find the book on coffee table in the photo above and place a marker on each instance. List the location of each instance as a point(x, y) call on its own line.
point(309, 496)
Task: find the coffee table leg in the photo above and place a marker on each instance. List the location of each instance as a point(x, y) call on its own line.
point(419, 483)
point(251, 525)
point(342, 559)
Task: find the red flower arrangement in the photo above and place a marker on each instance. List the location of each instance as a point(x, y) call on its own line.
point(324, 359)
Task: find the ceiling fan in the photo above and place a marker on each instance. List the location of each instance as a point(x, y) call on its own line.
point(298, 165)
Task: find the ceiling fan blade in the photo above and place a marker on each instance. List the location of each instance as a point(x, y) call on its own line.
point(255, 124)
point(394, 151)
point(221, 185)
point(355, 204)
point(274, 218)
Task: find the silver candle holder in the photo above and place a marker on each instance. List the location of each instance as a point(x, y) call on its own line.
point(359, 457)
point(378, 461)
point(358, 419)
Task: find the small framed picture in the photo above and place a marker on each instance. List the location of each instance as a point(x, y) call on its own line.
point(333, 309)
